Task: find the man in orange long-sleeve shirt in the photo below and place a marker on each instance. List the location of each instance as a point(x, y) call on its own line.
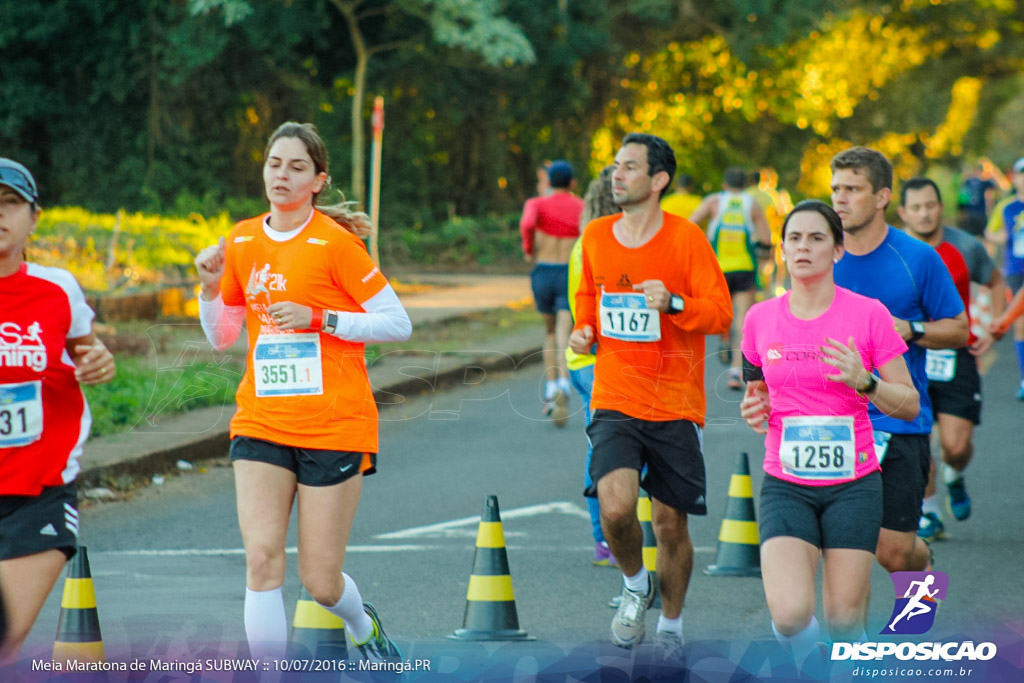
point(651, 289)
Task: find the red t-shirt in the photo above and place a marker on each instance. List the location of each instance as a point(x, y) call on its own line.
point(957, 267)
point(557, 214)
point(40, 309)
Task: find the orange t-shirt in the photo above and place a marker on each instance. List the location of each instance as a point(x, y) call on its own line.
point(654, 380)
point(324, 266)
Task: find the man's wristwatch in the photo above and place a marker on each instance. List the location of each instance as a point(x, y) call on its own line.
point(869, 386)
point(675, 304)
point(916, 330)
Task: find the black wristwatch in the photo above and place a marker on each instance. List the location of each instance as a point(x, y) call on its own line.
point(675, 304)
point(869, 386)
point(916, 330)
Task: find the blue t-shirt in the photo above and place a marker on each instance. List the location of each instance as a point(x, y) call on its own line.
point(910, 278)
point(1013, 219)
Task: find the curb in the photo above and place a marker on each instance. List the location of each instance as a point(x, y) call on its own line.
point(212, 445)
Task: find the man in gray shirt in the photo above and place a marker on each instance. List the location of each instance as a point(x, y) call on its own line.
point(954, 384)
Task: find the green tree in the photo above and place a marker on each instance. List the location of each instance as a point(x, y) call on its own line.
point(472, 25)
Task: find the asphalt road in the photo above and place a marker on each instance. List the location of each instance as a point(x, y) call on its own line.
point(169, 572)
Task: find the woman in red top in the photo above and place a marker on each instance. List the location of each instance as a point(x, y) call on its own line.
point(306, 426)
point(47, 348)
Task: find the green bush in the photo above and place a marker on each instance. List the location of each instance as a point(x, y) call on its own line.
point(461, 241)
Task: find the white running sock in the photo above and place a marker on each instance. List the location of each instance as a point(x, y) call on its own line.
point(550, 389)
point(671, 625)
point(931, 504)
point(266, 626)
point(949, 475)
point(638, 583)
point(565, 385)
point(802, 643)
point(350, 608)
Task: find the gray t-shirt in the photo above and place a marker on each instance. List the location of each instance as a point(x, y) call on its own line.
point(979, 263)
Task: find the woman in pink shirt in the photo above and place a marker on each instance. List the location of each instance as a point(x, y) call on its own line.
point(808, 360)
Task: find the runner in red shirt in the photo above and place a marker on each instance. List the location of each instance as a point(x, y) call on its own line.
point(47, 348)
point(306, 425)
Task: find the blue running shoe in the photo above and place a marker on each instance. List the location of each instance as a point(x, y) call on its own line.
point(959, 501)
point(378, 647)
point(930, 527)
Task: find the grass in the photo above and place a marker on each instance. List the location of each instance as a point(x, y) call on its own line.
point(163, 368)
point(168, 367)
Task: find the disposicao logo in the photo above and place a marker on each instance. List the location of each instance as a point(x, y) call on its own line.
point(917, 595)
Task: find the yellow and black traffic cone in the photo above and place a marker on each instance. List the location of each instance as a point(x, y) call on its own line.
point(650, 551)
point(319, 631)
point(490, 603)
point(78, 631)
point(739, 543)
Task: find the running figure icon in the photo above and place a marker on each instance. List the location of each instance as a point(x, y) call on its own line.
point(915, 606)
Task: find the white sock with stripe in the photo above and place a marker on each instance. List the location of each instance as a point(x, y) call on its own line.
point(350, 608)
point(638, 583)
point(266, 626)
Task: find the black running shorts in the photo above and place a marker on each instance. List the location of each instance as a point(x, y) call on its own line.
point(312, 467)
point(846, 515)
point(741, 281)
point(35, 524)
point(905, 471)
point(961, 395)
point(671, 451)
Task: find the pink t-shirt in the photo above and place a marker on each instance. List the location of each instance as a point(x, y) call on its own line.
point(811, 415)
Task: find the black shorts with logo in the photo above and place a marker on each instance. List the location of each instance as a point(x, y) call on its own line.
point(671, 451)
point(905, 471)
point(312, 466)
point(35, 524)
point(961, 395)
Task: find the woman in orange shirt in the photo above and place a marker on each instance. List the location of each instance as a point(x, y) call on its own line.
point(306, 426)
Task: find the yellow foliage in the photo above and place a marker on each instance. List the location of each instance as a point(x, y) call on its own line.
point(963, 108)
point(680, 90)
point(147, 249)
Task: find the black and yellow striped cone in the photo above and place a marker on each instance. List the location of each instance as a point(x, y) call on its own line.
point(739, 544)
point(318, 631)
point(78, 631)
point(650, 551)
point(490, 603)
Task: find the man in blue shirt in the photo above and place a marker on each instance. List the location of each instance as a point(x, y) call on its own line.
point(910, 278)
point(1013, 236)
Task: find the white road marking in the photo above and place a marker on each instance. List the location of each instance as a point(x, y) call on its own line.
point(442, 528)
point(216, 552)
point(226, 552)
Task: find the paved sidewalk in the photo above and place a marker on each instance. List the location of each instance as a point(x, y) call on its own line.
point(203, 433)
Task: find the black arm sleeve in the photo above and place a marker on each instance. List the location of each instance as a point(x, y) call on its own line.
point(751, 372)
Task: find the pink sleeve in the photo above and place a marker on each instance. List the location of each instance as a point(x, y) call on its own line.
point(749, 344)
